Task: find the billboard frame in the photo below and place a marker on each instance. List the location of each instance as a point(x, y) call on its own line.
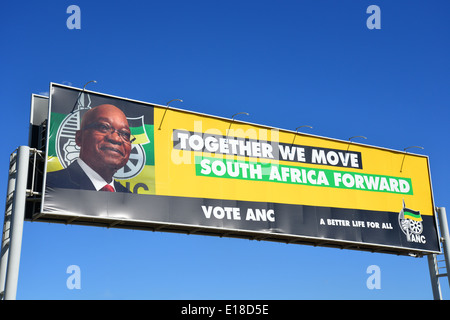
point(222, 231)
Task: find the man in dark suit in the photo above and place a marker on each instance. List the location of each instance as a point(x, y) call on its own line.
point(105, 144)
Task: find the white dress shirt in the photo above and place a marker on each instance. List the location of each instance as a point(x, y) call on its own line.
point(95, 178)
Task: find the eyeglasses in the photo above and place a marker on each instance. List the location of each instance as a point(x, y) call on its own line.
point(106, 128)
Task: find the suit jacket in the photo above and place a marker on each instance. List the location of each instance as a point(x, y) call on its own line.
point(73, 177)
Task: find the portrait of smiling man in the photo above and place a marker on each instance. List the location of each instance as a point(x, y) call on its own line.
point(105, 142)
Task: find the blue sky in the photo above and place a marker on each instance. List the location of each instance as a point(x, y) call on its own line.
point(286, 63)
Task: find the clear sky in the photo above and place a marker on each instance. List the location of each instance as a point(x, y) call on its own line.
point(286, 63)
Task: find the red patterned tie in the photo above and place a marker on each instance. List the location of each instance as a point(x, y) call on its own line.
point(108, 188)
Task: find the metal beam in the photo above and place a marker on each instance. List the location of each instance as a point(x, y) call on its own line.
point(435, 286)
point(443, 226)
point(6, 235)
point(17, 219)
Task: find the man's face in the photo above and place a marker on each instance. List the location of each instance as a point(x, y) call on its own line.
point(104, 151)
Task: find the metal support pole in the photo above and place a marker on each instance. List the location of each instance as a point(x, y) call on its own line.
point(17, 219)
point(7, 222)
point(435, 286)
point(443, 225)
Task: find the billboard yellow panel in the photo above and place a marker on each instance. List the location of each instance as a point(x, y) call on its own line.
point(255, 163)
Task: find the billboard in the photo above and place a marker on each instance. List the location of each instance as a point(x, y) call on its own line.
point(181, 171)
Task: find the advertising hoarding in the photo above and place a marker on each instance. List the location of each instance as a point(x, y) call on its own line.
point(181, 171)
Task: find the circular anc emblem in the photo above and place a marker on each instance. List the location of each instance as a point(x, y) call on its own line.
point(66, 147)
point(68, 151)
point(134, 165)
point(409, 226)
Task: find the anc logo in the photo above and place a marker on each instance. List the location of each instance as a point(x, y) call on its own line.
point(410, 222)
point(136, 162)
